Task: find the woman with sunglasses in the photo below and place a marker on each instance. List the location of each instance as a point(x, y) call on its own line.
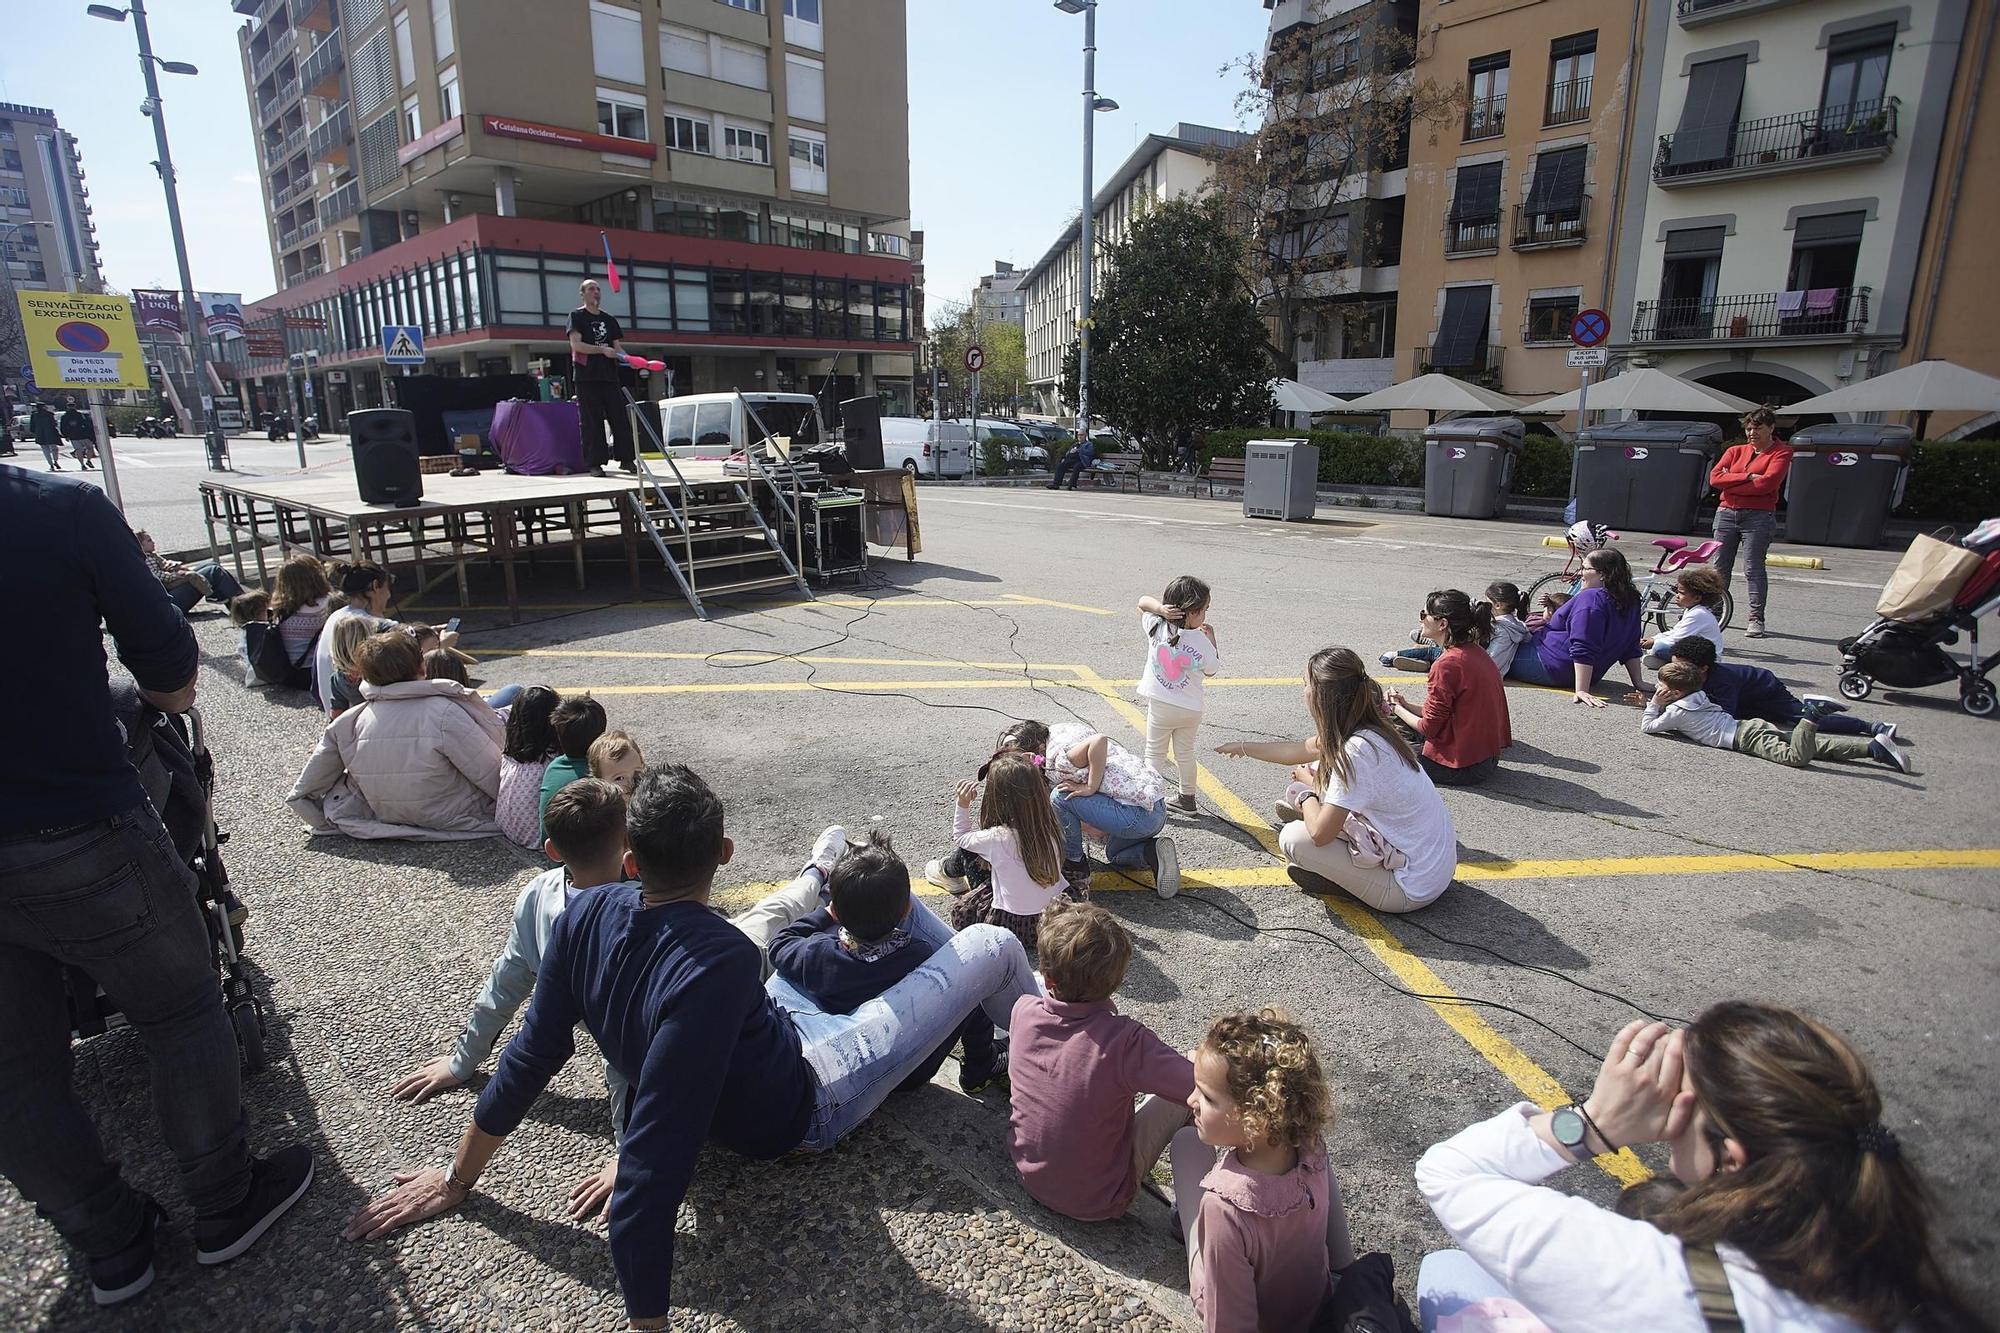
point(1589, 634)
point(1463, 724)
point(1799, 1210)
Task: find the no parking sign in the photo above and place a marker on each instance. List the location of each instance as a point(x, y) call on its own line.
point(81, 341)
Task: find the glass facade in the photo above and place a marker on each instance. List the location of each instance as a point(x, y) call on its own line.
point(474, 289)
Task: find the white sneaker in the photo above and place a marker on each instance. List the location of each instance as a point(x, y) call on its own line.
point(1888, 755)
point(955, 885)
point(1285, 811)
point(826, 853)
point(1166, 861)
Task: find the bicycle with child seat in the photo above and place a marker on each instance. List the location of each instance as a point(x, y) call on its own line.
point(1656, 594)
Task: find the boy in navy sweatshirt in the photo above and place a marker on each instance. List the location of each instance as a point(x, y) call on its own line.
point(852, 950)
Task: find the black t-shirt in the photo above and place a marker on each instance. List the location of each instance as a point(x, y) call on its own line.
point(599, 330)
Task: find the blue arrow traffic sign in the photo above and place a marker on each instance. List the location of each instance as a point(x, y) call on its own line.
point(1589, 328)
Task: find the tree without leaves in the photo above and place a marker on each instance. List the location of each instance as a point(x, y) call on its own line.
point(1176, 345)
point(1333, 103)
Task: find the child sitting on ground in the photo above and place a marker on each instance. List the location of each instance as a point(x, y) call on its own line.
point(441, 665)
point(1551, 603)
point(577, 721)
point(1076, 1063)
point(1016, 832)
point(185, 584)
point(1501, 627)
point(1264, 1227)
point(348, 633)
point(1679, 705)
point(856, 947)
point(1698, 592)
point(586, 822)
point(615, 757)
point(524, 758)
point(431, 638)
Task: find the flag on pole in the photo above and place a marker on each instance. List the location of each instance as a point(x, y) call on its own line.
point(611, 269)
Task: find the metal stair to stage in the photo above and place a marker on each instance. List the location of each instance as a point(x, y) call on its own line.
point(712, 535)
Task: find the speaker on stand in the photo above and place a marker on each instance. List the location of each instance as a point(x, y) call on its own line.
point(861, 432)
point(384, 440)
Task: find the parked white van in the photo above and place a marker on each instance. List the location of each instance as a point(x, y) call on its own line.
point(927, 448)
point(714, 425)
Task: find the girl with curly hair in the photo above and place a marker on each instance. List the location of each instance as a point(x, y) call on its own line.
point(1265, 1227)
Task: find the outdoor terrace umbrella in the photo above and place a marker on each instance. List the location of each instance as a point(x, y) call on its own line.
point(1926, 387)
point(1292, 396)
point(1434, 393)
point(1650, 390)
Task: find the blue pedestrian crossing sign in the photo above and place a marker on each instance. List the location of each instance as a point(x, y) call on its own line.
point(403, 344)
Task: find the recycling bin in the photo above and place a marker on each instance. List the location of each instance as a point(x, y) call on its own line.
point(1280, 479)
point(1469, 464)
point(1844, 481)
point(1644, 475)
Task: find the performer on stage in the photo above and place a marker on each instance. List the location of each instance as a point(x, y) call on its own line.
point(596, 351)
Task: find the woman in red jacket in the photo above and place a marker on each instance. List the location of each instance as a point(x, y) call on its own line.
point(1749, 477)
point(1464, 724)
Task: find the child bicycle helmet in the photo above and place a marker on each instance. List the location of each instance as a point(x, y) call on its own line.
point(1587, 536)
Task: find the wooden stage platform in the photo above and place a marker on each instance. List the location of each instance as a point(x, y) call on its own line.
point(493, 516)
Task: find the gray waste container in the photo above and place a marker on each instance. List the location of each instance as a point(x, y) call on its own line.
point(1644, 475)
point(1469, 464)
point(1843, 483)
point(1280, 479)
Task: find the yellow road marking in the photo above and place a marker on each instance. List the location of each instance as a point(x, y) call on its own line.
point(1020, 599)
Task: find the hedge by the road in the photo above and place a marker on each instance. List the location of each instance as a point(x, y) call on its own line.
point(1951, 481)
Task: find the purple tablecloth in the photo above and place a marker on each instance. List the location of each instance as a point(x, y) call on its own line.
point(537, 439)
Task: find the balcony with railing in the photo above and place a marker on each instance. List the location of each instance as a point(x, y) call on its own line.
point(331, 137)
point(307, 229)
point(281, 98)
point(1828, 314)
point(1472, 234)
point(261, 65)
point(1484, 368)
point(1567, 103)
point(1546, 228)
point(277, 152)
point(1831, 136)
point(342, 203)
point(1695, 13)
point(319, 73)
point(1486, 118)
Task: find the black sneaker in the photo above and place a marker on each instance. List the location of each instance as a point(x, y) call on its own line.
point(1077, 873)
point(1888, 755)
point(1185, 803)
point(276, 1183)
point(972, 1082)
point(119, 1277)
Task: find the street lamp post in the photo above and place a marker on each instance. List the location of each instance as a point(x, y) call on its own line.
point(1092, 104)
point(218, 448)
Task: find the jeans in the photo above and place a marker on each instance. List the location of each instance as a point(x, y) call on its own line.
point(1450, 1280)
point(1751, 529)
point(505, 696)
point(112, 899)
point(1071, 464)
point(1529, 666)
point(1126, 828)
point(858, 1059)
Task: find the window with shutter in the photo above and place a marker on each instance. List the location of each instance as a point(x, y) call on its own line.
point(684, 50)
point(1706, 135)
point(614, 44)
point(747, 66)
point(371, 78)
point(805, 89)
point(1462, 336)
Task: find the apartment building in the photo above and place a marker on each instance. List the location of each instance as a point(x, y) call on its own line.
point(45, 229)
point(1163, 166)
point(1000, 298)
point(1337, 174)
point(461, 166)
point(1513, 202)
point(1786, 161)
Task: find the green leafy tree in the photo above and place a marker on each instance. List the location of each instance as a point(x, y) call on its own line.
point(1005, 378)
point(1177, 347)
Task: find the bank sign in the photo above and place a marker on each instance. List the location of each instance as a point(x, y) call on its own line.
point(512, 127)
point(79, 341)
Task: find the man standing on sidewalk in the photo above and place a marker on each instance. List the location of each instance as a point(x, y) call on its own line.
point(90, 880)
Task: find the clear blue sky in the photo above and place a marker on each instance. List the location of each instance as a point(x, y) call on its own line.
point(995, 111)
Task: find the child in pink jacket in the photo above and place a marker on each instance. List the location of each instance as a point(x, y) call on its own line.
point(1265, 1227)
point(1076, 1063)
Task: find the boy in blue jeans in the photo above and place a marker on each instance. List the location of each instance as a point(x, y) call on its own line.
point(848, 952)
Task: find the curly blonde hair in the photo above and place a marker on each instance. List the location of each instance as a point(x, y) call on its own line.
point(1274, 1077)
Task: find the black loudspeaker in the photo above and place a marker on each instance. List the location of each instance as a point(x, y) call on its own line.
point(861, 429)
point(384, 440)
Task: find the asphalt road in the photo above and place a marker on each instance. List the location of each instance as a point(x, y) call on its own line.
point(1641, 868)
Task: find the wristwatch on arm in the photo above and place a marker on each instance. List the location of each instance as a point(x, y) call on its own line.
point(1572, 1127)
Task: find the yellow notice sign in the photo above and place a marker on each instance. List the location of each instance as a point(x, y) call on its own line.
point(80, 341)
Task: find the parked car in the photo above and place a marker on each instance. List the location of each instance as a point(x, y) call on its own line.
point(1019, 451)
point(927, 448)
point(715, 425)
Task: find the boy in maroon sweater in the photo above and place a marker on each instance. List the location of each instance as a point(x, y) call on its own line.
point(1074, 1136)
point(1750, 477)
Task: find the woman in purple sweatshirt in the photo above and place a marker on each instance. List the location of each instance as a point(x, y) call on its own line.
point(1589, 634)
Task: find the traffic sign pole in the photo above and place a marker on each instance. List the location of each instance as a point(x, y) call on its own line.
point(975, 361)
point(1588, 329)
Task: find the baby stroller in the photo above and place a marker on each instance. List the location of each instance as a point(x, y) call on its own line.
point(178, 773)
point(1909, 655)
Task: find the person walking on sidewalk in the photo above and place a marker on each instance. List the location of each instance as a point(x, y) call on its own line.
point(597, 350)
point(1750, 476)
point(90, 880)
point(42, 423)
